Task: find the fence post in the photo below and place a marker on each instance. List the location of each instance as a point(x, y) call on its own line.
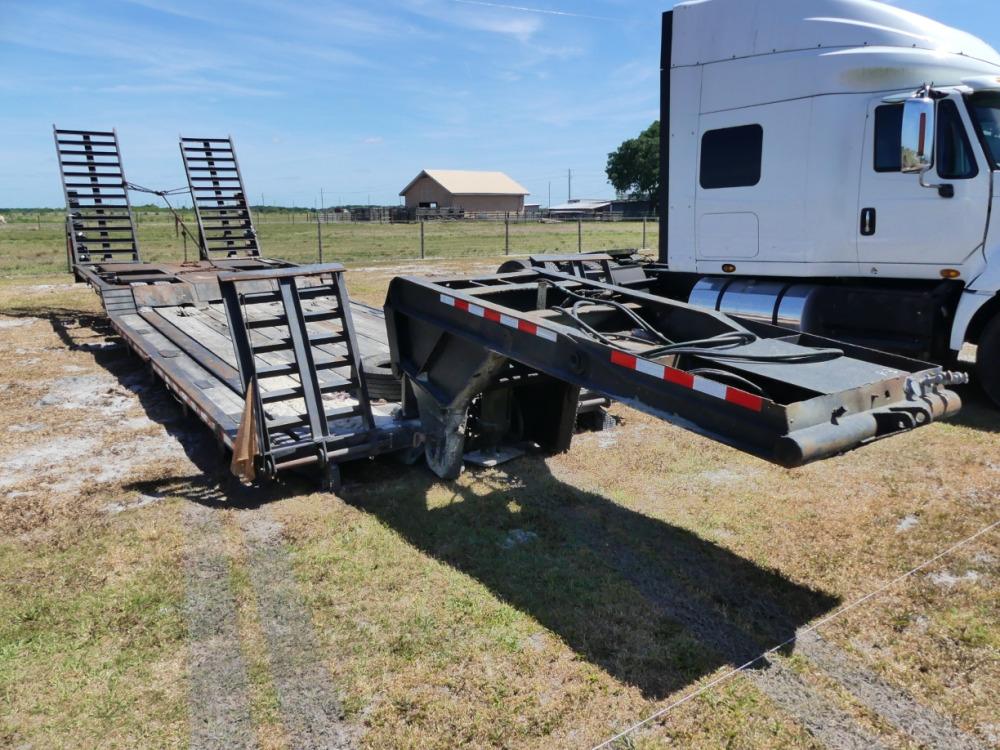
point(421, 239)
point(506, 233)
point(319, 237)
point(579, 235)
point(643, 232)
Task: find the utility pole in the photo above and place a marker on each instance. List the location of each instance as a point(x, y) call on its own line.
point(569, 185)
point(319, 237)
point(322, 200)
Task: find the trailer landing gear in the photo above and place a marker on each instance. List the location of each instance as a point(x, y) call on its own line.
point(331, 480)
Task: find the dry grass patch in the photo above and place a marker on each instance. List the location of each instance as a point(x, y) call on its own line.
point(534, 606)
point(92, 636)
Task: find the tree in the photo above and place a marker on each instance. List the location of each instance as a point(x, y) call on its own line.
point(634, 168)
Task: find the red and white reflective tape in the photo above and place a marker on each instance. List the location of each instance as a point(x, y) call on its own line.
point(504, 320)
point(669, 374)
point(687, 380)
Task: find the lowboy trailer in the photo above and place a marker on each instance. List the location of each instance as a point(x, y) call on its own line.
point(271, 355)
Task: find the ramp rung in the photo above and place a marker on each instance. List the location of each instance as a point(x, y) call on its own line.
point(285, 394)
point(286, 344)
point(292, 368)
point(277, 424)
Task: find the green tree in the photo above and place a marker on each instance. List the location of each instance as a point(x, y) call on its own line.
point(634, 168)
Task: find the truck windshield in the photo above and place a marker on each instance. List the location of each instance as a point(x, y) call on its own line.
point(986, 112)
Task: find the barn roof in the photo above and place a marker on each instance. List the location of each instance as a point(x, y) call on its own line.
point(464, 182)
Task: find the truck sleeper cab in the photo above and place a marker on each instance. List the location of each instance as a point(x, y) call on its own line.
point(786, 198)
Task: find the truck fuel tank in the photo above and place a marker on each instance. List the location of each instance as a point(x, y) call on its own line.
point(775, 302)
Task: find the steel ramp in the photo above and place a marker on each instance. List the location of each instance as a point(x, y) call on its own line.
point(225, 223)
point(296, 349)
point(99, 223)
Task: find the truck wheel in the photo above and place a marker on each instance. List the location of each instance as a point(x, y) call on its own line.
point(988, 360)
point(513, 266)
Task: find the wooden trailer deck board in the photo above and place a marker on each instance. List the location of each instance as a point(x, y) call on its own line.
point(190, 348)
point(200, 389)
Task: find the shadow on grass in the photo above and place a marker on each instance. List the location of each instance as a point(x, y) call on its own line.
point(650, 603)
point(978, 411)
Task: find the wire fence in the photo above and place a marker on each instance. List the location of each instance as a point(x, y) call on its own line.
point(33, 242)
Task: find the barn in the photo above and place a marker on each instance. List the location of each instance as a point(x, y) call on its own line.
point(462, 190)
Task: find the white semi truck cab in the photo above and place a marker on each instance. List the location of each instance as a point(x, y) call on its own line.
point(834, 166)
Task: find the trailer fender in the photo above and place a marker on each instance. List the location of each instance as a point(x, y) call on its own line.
point(975, 310)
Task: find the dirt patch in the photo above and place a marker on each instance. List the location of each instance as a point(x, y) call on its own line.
point(8, 323)
point(920, 722)
point(72, 437)
point(949, 580)
point(310, 709)
point(220, 706)
point(99, 393)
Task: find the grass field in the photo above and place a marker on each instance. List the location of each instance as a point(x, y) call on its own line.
point(546, 604)
point(34, 244)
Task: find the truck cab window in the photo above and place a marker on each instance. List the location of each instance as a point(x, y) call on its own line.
point(731, 157)
point(954, 152)
point(986, 115)
point(889, 138)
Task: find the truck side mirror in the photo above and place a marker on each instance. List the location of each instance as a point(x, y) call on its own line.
point(918, 135)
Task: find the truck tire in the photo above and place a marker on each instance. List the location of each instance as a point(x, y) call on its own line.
point(988, 360)
point(382, 384)
point(513, 266)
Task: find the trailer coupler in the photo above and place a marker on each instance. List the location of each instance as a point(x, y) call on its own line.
point(520, 345)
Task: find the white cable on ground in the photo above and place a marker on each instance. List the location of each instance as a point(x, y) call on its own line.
point(808, 629)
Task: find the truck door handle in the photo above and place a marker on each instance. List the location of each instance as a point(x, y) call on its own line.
point(869, 221)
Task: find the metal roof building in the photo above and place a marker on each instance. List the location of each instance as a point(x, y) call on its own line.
point(580, 208)
point(464, 190)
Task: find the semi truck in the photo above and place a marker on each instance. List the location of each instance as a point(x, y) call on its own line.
point(833, 166)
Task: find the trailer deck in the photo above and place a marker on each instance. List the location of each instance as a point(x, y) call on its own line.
point(175, 318)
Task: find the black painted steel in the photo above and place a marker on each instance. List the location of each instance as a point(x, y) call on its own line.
point(225, 223)
point(295, 421)
point(446, 334)
point(99, 223)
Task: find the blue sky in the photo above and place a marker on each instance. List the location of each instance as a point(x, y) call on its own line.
point(351, 97)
